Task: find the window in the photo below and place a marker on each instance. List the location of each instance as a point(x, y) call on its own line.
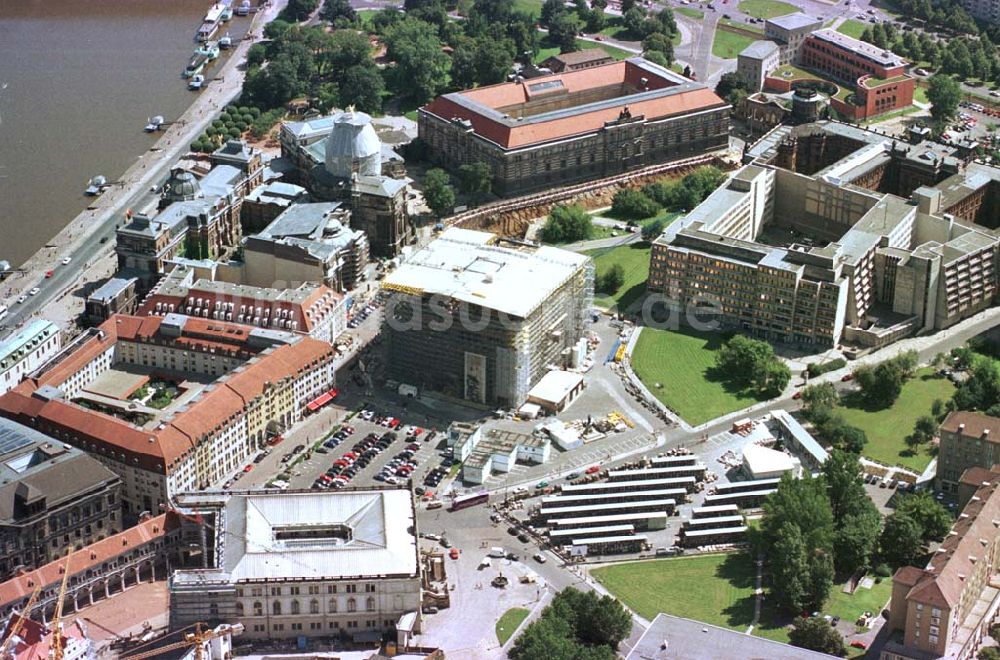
point(276, 608)
point(295, 607)
point(275, 591)
point(332, 605)
point(294, 591)
point(370, 604)
point(370, 588)
point(258, 608)
point(352, 605)
point(239, 609)
point(314, 606)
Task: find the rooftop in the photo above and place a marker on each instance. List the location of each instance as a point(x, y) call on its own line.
point(794, 21)
point(15, 347)
point(881, 56)
point(555, 385)
point(276, 536)
point(673, 638)
point(760, 49)
point(584, 56)
point(502, 113)
point(110, 289)
point(972, 425)
point(470, 266)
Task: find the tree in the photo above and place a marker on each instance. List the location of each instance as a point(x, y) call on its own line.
point(256, 55)
point(596, 620)
point(634, 22)
point(421, 66)
point(653, 228)
point(612, 280)
point(981, 390)
point(475, 179)
point(362, 87)
point(923, 431)
point(385, 19)
point(633, 204)
point(338, 10)
point(819, 397)
point(627, 5)
point(563, 29)
point(944, 95)
point(567, 224)
point(658, 42)
point(932, 518)
point(494, 58)
point(299, 10)
point(856, 538)
point(815, 634)
point(550, 9)
point(274, 85)
point(849, 438)
point(790, 568)
point(741, 357)
point(900, 543)
point(438, 194)
point(731, 84)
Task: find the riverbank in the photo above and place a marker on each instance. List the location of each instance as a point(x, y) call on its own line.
point(79, 238)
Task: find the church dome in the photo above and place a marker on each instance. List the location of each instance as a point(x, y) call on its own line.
point(353, 147)
point(182, 186)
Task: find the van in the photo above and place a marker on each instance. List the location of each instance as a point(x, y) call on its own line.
point(497, 552)
point(434, 504)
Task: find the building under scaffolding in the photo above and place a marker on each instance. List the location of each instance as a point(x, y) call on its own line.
point(479, 318)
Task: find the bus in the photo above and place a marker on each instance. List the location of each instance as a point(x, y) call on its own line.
point(470, 499)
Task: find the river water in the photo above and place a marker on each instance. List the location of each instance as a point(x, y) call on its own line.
point(78, 81)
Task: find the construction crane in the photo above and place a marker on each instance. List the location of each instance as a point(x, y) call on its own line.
point(196, 639)
point(5, 649)
point(57, 638)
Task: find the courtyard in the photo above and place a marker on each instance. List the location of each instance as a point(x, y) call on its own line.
point(634, 259)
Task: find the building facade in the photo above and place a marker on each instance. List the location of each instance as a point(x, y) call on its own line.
point(946, 608)
point(27, 350)
point(53, 498)
point(338, 564)
point(967, 440)
point(116, 296)
point(575, 126)
point(581, 59)
point(461, 322)
point(789, 32)
point(173, 403)
point(757, 61)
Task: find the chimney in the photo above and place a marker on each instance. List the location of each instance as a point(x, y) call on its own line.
point(961, 427)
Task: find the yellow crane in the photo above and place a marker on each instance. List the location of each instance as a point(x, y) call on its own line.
point(56, 627)
point(15, 629)
point(196, 639)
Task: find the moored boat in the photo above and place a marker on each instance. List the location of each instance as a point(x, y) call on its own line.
point(196, 82)
point(96, 186)
point(154, 124)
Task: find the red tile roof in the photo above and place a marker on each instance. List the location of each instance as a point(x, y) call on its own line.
point(95, 554)
point(975, 424)
point(159, 449)
point(529, 133)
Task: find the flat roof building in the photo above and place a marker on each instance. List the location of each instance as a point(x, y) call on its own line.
point(299, 563)
point(26, 350)
point(498, 449)
point(461, 320)
point(789, 31)
point(757, 61)
point(575, 126)
point(556, 390)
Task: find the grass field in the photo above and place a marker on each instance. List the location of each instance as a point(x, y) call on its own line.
point(852, 28)
point(920, 94)
point(747, 27)
point(716, 589)
point(887, 427)
point(509, 622)
point(850, 606)
point(533, 7)
point(690, 12)
point(766, 8)
point(634, 258)
point(683, 363)
point(728, 45)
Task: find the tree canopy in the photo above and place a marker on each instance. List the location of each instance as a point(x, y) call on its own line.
point(815, 634)
point(944, 95)
point(752, 361)
point(438, 194)
point(576, 625)
point(567, 224)
point(421, 67)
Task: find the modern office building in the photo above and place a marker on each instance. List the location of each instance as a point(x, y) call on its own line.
point(53, 497)
point(945, 609)
point(815, 245)
point(481, 319)
point(26, 350)
point(757, 61)
point(877, 77)
point(310, 309)
point(575, 126)
point(967, 440)
point(299, 564)
point(789, 31)
point(172, 403)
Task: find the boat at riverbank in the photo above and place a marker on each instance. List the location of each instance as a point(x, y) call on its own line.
point(243, 9)
point(195, 66)
point(155, 124)
point(226, 42)
point(210, 24)
point(196, 82)
point(96, 186)
point(209, 49)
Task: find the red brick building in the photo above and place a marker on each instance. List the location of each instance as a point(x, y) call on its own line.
point(877, 77)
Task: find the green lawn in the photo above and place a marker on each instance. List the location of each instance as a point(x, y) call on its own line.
point(852, 28)
point(728, 45)
point(716, 589)
point(751, 27)
point(533, 7)
point(920, 94)
point(634, 258)
point(850, 606)
point(887, 427)
point(766, 8)
point(690, 12)
point(509, 622)
point(683, 363)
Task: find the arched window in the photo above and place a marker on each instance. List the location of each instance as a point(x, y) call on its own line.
point(239, 608)
point(314, 606)
point(352, 606)
point(258, 608)
point(370, 604)
point(276, 607)
point(333, 604)
point(295, 607)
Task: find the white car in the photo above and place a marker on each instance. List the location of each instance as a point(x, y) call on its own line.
point(540, 558)
point(65, 261)
point(22, 298)
point(34, 292)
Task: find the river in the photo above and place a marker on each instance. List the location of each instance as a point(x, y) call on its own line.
point(78, 81)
